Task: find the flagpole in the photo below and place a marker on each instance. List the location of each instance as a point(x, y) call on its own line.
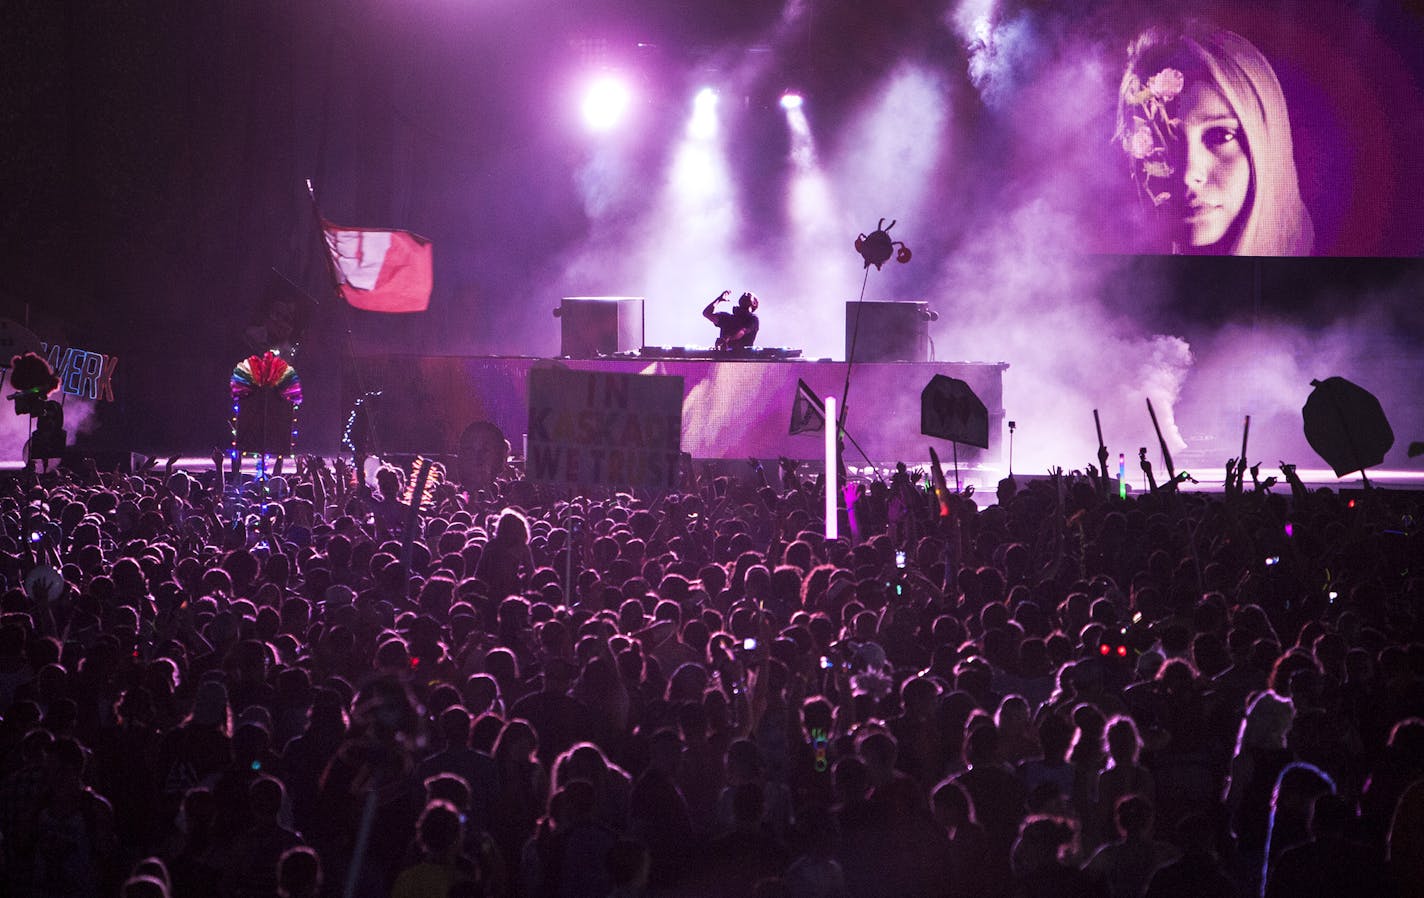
point(846, 434)
point(850, 358)
point(331, 271)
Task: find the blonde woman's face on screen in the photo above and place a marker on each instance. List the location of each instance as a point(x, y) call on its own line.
point(1216, 166)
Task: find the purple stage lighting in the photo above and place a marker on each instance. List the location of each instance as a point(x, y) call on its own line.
point(791, 100)
point(605, 103)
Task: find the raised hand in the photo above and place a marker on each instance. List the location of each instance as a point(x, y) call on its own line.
point(1099, 483)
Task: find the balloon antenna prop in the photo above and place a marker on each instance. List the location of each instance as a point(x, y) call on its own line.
point(877, 247)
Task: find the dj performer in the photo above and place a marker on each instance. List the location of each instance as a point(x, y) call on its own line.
point(738, 327)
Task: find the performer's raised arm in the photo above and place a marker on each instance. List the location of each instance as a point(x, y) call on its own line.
point(711, 306)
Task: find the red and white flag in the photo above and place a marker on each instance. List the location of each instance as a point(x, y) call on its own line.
point(382, 271)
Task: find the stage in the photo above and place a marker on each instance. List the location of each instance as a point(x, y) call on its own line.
point(732, 409)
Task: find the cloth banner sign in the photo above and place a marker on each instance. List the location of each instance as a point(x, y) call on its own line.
point(603, 428)
point(382, 271)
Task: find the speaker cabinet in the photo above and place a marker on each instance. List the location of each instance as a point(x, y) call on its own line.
point(593, 326)
point(888, 331)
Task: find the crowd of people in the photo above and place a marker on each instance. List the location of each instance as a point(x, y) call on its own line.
point(302, 685)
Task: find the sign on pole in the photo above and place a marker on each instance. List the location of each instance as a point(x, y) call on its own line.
point(950, 411)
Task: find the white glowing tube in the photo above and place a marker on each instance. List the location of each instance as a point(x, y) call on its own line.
point(832, 481)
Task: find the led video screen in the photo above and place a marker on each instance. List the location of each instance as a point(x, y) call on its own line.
point(1255, 130)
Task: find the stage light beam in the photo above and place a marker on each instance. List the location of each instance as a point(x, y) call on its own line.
point(791, 100)
point(695, 216)
point(816, 229)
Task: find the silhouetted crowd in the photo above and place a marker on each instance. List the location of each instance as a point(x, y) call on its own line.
point(300, 685)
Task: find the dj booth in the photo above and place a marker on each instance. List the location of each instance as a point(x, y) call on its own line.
point(734, 405)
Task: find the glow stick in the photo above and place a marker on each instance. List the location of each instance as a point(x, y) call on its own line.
point(832, 522)
point(1121, 475)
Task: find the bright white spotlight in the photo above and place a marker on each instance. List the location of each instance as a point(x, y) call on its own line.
point(703, 125)
point(605, 102)
point(791, 100)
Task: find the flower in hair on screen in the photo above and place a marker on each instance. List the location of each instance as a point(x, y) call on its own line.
point(1167, 84)
point(1140, 144)
point(1153, 131)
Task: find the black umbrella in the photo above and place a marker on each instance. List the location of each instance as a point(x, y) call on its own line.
point(1346, 426)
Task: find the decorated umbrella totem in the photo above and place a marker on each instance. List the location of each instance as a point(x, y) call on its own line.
point(265, 395)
